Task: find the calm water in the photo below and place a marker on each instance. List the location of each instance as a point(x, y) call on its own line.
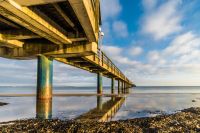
point(141, 102)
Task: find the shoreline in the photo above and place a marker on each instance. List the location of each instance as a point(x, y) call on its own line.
point(60, 95)
point(184, 121)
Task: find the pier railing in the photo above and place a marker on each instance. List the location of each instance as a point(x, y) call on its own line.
point(105, 60)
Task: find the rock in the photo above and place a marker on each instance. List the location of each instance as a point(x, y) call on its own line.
point(2, 104)
point(193, 100)
point(198, 127)
point(175, 123)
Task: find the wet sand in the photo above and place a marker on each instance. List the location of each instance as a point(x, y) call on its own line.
point(187, 120)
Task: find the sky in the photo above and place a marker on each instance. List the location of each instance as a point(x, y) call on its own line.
point(153, 42)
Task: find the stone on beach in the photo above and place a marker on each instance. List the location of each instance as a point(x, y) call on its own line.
point(2, 104)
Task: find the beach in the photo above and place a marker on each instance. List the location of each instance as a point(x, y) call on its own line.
point(144, 109)
point(187, 120)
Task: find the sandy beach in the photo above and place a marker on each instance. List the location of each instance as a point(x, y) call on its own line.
point(187, 120)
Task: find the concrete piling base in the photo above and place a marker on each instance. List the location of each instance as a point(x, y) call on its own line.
point(99, 83)
point(112, 85)
point(119, 87)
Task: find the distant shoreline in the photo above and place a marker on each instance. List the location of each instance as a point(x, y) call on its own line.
point(58, 95)
point(83, 94)
point(95, 86)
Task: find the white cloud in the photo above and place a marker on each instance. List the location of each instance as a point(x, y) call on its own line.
point(162, 21)
point(179, 57)
point(177, 64)
point(116, 54)
point(153, 56)
point(182, 44)
point(112, 50)
point(110, 9)
point(120, 29)
point(135, 51)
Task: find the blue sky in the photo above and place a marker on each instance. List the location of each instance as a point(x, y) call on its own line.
point(154, 42)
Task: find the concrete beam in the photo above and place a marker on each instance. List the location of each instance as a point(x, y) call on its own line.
point(99, 83)
point(75, 50)
point(97, 70)
point(8, 23)
point(65, 61)
point(86, 16)
point(32, 50)
point(36, 2)
point(76, 59)
point(18, 34)
point(78, 39)
point(10, 43)
point(66, 18)
point(32, 21)
point(86, 64)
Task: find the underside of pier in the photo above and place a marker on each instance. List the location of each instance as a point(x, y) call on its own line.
point(62, 30)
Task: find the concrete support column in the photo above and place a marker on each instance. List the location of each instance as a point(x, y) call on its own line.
point(112, 85)
point(119, 88)
point(125, 87)
point(122, 88)
point(44, 78)
point(99, 83)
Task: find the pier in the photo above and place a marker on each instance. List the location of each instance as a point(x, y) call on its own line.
point(63, 30)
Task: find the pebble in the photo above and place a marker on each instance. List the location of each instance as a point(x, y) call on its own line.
point(193, 100)
point(2, 104)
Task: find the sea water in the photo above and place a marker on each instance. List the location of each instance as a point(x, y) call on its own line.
point(140, 102)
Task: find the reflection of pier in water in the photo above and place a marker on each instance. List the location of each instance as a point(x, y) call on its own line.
point(104, 111)
point(44, 109)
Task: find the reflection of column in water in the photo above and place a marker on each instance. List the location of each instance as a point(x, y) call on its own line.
point(128, 90)
point(113, 98)
point(44, 109)
point(125, 101)
point(99, 102)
